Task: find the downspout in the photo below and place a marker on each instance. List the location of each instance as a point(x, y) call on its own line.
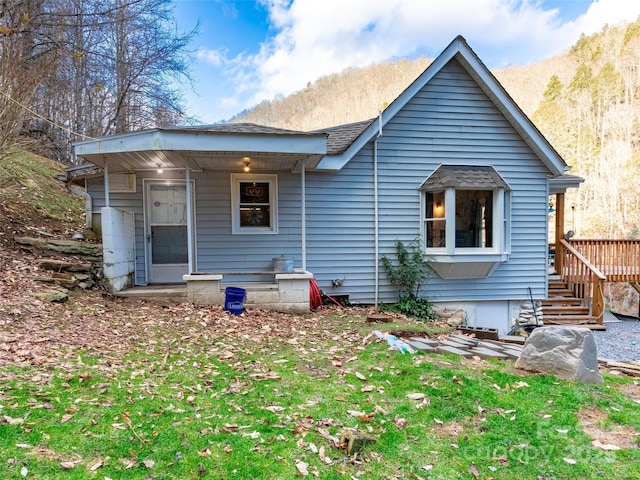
point(88, 204)
point(303, 210)
point(375, 212)
point(187, 176)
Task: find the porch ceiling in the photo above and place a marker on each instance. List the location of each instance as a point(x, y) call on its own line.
point(198, 161)
point(222, 147)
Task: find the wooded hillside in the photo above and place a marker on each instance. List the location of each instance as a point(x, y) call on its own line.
point(586, 101)
point(77, 69)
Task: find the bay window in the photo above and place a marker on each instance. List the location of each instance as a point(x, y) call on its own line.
point(465, 220)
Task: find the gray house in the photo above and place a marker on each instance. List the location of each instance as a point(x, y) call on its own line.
point(452, 160)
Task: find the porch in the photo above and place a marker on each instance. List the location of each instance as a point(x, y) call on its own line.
point(583, 266)
point(277, 291)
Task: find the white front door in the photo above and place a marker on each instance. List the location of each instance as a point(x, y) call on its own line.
point(166, 231)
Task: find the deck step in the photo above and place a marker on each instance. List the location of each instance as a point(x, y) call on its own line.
point(562, 301)
point(560, 292)
point(565, 310)
point(573, 320)
point(590, 326)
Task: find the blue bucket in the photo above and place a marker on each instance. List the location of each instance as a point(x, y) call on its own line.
point(234, 298)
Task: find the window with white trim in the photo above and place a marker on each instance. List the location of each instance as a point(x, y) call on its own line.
point(254, 203)
point(465, 220)
point(471, 214)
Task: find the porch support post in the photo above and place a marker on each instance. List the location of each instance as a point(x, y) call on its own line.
point(106, 183)
point(559, 254)
point(303, 210)
point(187, 176)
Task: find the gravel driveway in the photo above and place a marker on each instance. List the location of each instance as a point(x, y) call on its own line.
point(621, 340)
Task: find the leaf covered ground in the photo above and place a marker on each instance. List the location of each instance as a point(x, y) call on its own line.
point(104, 388)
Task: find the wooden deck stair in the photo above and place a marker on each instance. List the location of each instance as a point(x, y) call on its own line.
point(563, 308)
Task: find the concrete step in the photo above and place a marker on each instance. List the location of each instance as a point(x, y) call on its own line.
point(166, 293)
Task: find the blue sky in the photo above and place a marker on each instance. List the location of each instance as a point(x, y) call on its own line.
point(248, 51)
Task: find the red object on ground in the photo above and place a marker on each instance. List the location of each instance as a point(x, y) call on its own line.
point(315, 295)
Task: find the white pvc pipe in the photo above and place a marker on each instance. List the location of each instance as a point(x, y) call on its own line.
point(187, 176)
point(304, 218)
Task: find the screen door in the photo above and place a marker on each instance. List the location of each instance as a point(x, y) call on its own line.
point(166, 235)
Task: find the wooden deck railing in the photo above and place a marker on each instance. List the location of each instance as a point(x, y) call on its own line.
point(584, 279)
point(619, 260)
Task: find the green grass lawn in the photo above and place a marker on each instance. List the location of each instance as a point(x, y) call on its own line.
point(189, 395)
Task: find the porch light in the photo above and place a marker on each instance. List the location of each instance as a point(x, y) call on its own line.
point(247, 164)
point(160, 168)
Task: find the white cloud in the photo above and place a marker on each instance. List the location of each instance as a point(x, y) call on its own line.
point(609, 12)
point(217, 58)
point(316, 38)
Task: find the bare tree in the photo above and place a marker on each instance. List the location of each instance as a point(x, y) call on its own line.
point(89, 68)
point(26, 57)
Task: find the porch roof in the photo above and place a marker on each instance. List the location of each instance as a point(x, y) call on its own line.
point(212, 147)
point(562, 183)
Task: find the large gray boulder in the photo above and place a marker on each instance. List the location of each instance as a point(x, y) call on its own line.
point(568, 353)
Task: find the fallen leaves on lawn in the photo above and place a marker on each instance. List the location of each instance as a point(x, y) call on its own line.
point(13, 421)
point(415, 396)
point(205, 452)
point(604, 446)
point(302, 467)
point(128, 463)
point(274, 408)
point(360, 376)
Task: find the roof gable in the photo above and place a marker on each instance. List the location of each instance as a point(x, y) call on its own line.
point(457, 50)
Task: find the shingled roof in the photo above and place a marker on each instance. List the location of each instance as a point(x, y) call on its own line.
point(244, 128)
point(463, 176)
point(340, 137)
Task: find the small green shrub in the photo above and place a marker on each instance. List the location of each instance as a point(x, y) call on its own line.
point(410, 271)
point(416, 307)
point(408, 274)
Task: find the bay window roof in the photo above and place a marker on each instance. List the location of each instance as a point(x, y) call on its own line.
point(464, 177)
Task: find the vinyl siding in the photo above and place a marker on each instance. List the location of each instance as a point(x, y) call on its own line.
point(451, 121)
point(217, 248)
